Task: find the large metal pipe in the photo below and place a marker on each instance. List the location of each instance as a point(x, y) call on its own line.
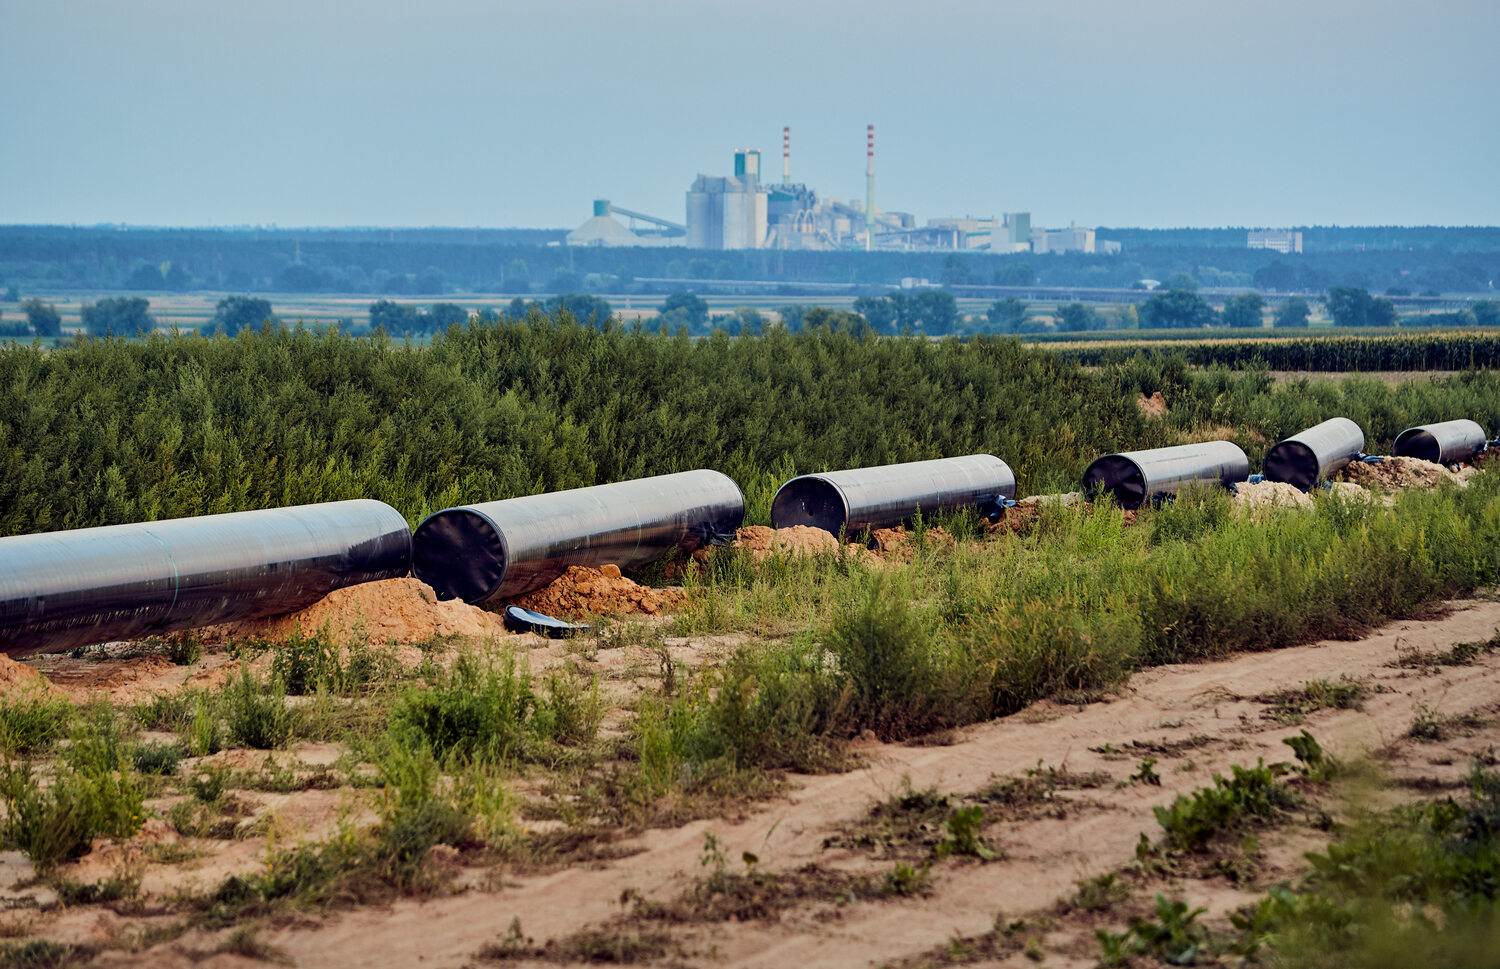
point(865, 498)
point(499, 549)
point(92, 585)
point(1444, 443)
point(1315, 454)
point(1137, 477)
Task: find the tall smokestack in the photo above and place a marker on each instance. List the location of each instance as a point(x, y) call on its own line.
point(869, 188)
point(786, 155)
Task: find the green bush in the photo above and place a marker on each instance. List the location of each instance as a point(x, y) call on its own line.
point(488, 710)
point(156, 758)
point(31, 721)
point(1248, 794)
point(256, 712)
point(59, 821)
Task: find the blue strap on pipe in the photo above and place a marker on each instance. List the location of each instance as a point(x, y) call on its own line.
point(1370, 458)
point(1255, 479)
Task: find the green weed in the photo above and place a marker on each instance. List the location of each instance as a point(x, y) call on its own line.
point(256, 712)
point(1248, 794)
point(31, 721)
point(156, 758)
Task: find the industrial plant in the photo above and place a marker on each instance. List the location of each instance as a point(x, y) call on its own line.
point(740, 211)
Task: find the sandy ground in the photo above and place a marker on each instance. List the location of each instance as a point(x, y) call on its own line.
point(1195, 719)
point(1205, 707)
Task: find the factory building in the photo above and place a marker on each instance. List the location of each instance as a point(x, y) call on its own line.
point(1013, 233)
point(1280, 240)
point(1071, 239)
point(738, 211)
point(603, 230)
point(730, 211)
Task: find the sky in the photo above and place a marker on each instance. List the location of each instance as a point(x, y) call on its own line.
point(493, 113)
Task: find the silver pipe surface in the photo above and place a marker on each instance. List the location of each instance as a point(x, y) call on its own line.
point(1136, 477)
point(500, 549)
point(73, 588)
point(1445, 443)
point(880, 497)
point(1315, 454)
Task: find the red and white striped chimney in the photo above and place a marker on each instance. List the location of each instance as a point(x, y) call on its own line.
point(786, 155)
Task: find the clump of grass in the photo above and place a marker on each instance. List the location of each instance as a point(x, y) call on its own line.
point(1098, 894)
point(31, 721)
point(255, 711)
point(312, 663)
point(1428, 725)
point(491, 711)
point(1175, 936)
point(166, 711)
point(45, 954)
point(156, 758)
point(1248, 794)
point(59, 821)
point(416, 814)
point(184, 649)
point(1293, 706)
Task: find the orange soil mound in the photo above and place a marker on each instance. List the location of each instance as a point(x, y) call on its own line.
point(16, 678)
point(897, 541)
point(599, 592)
point(1153, 406)
point(763, 541)
point(401, 610)
point(1394, 473)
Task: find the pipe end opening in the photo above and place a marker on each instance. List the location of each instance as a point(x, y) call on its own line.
point(1117, 475)
point(1417, 443)
point(1292, 462)
point(460, 553)
point(809, 501)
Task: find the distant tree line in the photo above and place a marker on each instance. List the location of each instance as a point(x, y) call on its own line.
point(433, 263)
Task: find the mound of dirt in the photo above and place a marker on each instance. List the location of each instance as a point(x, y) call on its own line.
point(1395, 473)
point(763, 541)
point(1153, 406)
point(1270, 494)
point(1348, 489)
point(400, 610)
point(599, 592)
point(899, 540)
point(18, 678)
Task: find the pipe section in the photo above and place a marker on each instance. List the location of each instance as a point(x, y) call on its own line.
point(1315, 454)
point(1445, 443)
point(499, 549)
point(867, 498)
point(59, 590)
point(1137, 477)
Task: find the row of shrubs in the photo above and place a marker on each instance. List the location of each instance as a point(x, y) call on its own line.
point(1451, 351)
point(1070, 610)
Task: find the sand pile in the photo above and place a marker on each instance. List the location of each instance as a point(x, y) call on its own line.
point(401, 610)
point(599, 592)
point(17, 678)
point(763, 541)
point(898, 541)
point(1395, 473)
point(1153, 406)
point(1270, 494)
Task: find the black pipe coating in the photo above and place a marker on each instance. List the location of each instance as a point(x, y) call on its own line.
point(73, 588)
point(499, 549)
point(1136, 477)
point(865, 498)
point(1315, 454)
point(1445, 443)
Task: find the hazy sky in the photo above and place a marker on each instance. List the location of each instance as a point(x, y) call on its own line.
point(495, 113)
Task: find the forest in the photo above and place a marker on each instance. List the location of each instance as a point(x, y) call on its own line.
point(100, 431)
point(437, 261)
